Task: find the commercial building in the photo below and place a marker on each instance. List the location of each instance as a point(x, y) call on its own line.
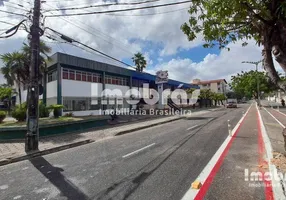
point(78, 84)
point(217, 86)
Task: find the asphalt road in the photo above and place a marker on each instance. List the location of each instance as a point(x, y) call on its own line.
point(155, 163)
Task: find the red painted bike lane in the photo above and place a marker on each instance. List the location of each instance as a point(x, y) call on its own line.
point(236, 175)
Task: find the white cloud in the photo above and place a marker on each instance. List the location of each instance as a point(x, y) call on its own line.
point(224, 65)
point(163, 29)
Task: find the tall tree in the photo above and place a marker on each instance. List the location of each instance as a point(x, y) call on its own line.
point(45, 50)
point(225, 21)
point(245, 84)
point(14, 70)
point(139, 62)
point(16, 67)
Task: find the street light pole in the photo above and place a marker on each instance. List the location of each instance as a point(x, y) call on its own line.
point(257, 78)
point(32, 136)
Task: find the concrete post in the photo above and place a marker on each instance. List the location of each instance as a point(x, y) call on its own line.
point(229, 128)
point(160, 91)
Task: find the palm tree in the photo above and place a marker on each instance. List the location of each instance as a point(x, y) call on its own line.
point(139, 61)
point(14, 69)
point(17, 66)
point(44, 58)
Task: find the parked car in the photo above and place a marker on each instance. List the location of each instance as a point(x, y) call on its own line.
point(231, 103)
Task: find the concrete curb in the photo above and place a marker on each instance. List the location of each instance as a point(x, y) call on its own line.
point(22, 157)
point(43, 152)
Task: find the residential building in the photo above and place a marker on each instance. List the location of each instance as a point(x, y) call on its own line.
point(78, 83)
point(217, 86)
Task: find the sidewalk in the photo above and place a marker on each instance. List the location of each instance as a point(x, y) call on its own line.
point(12, 151)
point(239, 171)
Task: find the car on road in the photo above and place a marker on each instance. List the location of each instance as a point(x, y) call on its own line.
point(231, 103)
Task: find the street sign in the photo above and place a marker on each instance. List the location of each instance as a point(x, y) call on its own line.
point(161, 77)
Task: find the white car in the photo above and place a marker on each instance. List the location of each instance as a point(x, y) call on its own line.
point(231, 103)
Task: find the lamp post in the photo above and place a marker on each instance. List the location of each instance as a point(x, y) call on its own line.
point(257, 78)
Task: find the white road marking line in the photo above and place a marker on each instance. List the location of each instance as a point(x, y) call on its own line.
point(280, 112)
point(192, 127)
point(274, 118)
point(192, 193)
point(137, 151)
point(276, 185)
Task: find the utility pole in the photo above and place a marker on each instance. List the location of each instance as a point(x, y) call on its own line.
point(257, 78)
point(32, 136)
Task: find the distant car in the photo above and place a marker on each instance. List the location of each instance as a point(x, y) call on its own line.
point(231, 103)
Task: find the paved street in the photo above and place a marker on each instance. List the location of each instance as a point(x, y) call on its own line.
point(169, 159)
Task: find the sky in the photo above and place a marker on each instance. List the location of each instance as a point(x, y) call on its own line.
point(156, 34)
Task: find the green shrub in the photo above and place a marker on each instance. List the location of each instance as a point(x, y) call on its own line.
point(2, 116)
point(19, 114)
point(57, 109)
point(43, 110)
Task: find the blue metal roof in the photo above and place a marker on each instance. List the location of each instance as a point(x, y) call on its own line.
point(150, 77)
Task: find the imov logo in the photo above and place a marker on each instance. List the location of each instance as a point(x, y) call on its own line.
point(264, 176)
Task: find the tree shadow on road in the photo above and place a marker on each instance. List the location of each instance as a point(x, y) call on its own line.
point(54, 175)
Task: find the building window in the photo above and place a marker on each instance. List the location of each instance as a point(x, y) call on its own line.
point(52, 76)
point(83, 76)
point(71, 75)
point(95, 78)
point(89, 79)
point(76, 103)
point(78, 76)
point(65, 74)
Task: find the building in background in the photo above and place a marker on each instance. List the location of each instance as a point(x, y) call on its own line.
point(77, 83)
point(217, 86)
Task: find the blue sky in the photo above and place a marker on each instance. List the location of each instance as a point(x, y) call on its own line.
point(158, 37)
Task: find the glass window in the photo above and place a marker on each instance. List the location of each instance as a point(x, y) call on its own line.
point(113, 80)
point(78, 76)
point(89, 79)
point(94, 78)
point(108, 79)
point(83, 76)
point(71, 75)
point(79, 104)
point(52, 76)
point(65, 74)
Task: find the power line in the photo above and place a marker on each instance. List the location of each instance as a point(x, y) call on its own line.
point(19, 14)
point(148, 14)
point(90, 32)
point(70, 40)
point(120, 10)
point(17, 8)
point(82, 48)
point(102, 5)
point(4, 22)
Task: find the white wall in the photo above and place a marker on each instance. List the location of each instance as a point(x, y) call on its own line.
point(121, 88)
point(72, 88)
point(51, 101)
point(52, 89)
